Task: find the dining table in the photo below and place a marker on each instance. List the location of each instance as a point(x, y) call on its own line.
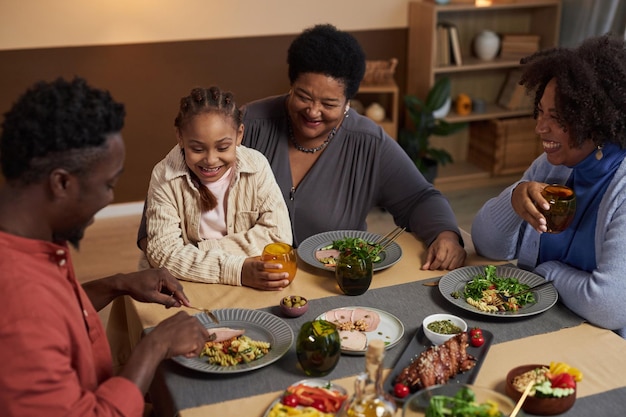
point(404, 291)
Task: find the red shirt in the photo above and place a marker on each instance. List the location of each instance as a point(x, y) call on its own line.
point(56, 360)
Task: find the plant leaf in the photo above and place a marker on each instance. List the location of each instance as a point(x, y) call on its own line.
point(438, 94)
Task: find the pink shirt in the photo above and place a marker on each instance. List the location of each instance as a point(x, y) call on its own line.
point(213, 222)
point(56, 359)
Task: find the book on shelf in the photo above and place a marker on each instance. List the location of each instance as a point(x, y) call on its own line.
point(455, 45)
point(513, 96)
point(521, 37)
point(448, 45)
point(443, 45)
point(518, 45)
point(454, 2)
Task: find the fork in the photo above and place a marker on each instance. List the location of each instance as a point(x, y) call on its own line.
point(506, 298)
point(389, 238)
point(208, 312)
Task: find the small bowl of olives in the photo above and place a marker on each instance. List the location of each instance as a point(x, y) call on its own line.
point(440, 327)
point(294, 305)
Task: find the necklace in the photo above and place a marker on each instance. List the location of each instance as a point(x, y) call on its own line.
point(310, 150)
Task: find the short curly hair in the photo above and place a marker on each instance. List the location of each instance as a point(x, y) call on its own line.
point(323, 49)
point(58, 124)
point(590, 97)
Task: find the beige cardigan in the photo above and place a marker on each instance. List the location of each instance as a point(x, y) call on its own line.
point(256, 215)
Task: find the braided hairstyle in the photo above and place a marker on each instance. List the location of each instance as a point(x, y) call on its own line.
point(58, 124)
point(590, 97)
point(323, 49)
point(203, 101)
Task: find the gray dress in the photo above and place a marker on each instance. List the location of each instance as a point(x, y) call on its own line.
point(361, 168)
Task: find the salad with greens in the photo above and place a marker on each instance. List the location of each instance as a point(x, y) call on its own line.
point(482, 292)
point(462, 404)
point(358, 247)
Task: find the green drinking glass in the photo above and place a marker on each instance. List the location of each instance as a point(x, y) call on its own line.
point(353, 273)
point(318, 347)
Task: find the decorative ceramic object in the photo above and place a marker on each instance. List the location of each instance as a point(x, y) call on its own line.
point(443, 111)
point(486, 45)
point(376, 112)
point(479, 105)
point(357, 105)
point(463, 104)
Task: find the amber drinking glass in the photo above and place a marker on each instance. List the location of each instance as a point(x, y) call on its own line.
point(318, 347)
point(562, 202)
point(284, 254)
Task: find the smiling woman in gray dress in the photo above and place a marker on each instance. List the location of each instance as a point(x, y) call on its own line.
point(334, 165)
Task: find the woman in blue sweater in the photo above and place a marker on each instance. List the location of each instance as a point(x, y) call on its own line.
point(580, 108)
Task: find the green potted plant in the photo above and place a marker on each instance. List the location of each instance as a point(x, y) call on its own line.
point(425, 123)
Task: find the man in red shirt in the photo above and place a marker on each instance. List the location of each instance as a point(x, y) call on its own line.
point(62, 154)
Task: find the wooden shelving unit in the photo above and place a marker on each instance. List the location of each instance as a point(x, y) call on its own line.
point(387, 96)
point(476, 78)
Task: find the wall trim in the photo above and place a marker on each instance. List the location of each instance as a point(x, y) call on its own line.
point(120, 210)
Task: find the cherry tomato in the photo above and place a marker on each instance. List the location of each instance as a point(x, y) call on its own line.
point(319, 405)
point(563, 380)
point(475, 331)
point(400, 390)
point(290, 400)
point(477, 340)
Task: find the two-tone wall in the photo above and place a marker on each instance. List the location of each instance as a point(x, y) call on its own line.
point(150, 53)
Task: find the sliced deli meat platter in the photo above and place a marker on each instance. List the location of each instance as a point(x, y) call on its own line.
point(358, 325)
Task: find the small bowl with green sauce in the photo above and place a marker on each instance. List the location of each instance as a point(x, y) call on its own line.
point(440, 327)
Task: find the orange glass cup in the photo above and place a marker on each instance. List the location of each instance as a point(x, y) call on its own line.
point(284, 254)
point(562, 202)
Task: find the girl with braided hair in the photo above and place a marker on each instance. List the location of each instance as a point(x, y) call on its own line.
point(214, 204)
point(580, 108)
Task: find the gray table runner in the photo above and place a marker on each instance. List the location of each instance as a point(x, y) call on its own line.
point(176, 387)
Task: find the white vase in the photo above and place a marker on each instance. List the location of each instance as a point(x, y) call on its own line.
point(376, 112)
point(443, 111)
point(486, 45)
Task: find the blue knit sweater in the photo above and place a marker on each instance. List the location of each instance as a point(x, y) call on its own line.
point(597, 296)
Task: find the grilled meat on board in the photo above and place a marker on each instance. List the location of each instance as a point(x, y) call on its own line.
point(437, 364)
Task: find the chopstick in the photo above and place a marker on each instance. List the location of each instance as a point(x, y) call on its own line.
point(389, 238)
point(518, 406)
point(208, 312)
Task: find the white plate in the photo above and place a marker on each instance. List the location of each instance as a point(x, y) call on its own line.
point(390, 329)
point(455, 281)
point(258, 325)
point(308, 248)
point(318, 383)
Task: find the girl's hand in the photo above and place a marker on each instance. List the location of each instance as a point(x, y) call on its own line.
point(255, 274)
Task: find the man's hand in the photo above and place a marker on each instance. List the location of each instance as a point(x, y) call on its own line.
point(155, 286)
point(180, 334)
point(445, 253)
